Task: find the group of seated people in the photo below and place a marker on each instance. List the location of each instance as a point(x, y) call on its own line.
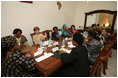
point(15, 63)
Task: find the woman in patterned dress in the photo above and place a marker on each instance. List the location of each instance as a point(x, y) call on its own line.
point(93, 46)
point(15, 64)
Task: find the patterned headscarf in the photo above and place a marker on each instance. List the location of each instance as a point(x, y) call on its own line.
point(8, 41)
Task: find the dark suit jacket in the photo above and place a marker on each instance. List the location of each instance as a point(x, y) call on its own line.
point(54, 36)
point(75, 64)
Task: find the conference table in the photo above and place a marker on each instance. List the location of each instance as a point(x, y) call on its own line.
point(49, 65)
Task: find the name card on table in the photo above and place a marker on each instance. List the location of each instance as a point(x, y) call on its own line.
point(71, 46)
point(67, 51)
point(55, 49)
point(69, 43)
point(69, 38)
point(66, 38)
point(55, 43)
point(45, 56)
point(45, 43)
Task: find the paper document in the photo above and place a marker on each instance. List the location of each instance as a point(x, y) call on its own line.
point(40, 49)
point(37, 53)
point(44, 57)
point(66, 50)
point(55, 49)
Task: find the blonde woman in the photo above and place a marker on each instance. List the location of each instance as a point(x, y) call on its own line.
point(38, 35)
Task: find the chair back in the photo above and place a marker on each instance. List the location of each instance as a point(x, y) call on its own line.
point(32, 37)
point(48, 32)
point(96, 68)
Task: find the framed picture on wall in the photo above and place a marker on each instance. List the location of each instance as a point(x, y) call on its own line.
point(27, 2)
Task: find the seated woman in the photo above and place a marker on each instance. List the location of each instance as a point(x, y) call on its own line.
point(76, 63)
point(65, 31)
point(55, 34)
point(73, 30)
point(14, 63)
point(38, 36)
point(22, 40)
point(93, 46)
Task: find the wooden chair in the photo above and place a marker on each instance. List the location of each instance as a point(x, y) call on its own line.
point(32, 34)
point(108, 46)
point(48, 33)
point(96, 69)
point(105, 62)
point(32, 37)
point(104, 52)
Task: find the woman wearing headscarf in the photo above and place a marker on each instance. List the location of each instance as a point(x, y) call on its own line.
point(65, 31)
point(14, 63)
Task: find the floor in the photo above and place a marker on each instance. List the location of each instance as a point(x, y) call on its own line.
point(112, 65)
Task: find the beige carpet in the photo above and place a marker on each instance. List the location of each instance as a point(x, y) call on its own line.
point(112, 65)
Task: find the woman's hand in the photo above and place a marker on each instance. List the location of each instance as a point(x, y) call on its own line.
point(26, 50)
point(32, 50)
point(29, 49)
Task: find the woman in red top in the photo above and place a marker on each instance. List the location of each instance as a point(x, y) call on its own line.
point(73, 30)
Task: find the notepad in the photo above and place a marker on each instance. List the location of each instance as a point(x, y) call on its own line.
point(55, 49)
point(45, 56)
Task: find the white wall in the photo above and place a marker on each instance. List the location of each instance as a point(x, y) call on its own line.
point(45, 14)
point(82, 7)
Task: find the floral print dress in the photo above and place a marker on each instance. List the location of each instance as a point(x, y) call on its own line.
point(17, 65)
point(94, 49)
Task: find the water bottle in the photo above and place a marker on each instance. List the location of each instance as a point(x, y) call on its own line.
point(41, 43)
point(50, 35)
point(49, 42)
point(84, 34)
point(63, 41)
point(72, 38)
